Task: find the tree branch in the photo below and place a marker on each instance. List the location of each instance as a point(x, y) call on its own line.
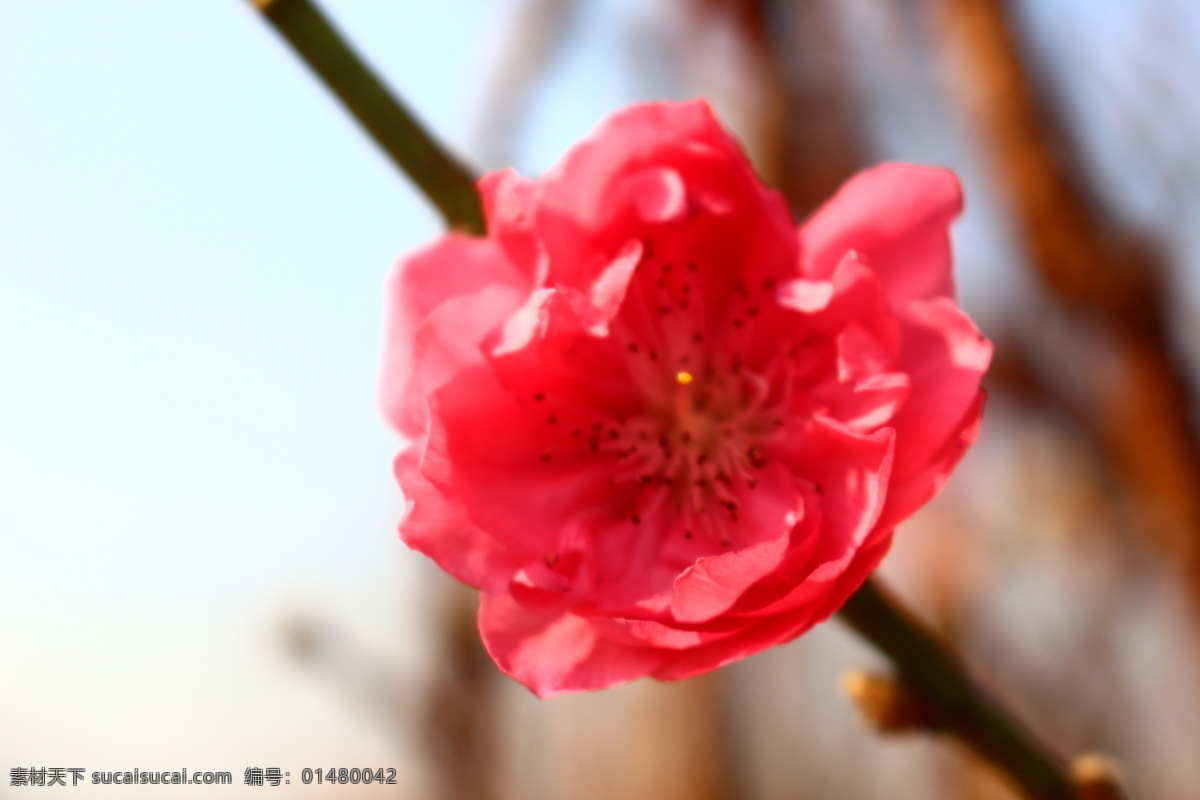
point(439, 176)
point(930, 670)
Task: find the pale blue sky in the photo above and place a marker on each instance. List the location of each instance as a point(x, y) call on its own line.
point(193, 243)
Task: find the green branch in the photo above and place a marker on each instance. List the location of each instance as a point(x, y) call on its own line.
point(445, 181)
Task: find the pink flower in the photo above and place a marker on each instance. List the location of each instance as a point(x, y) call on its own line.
point(657, 425)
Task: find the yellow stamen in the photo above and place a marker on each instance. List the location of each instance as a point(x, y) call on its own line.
point(684, 378)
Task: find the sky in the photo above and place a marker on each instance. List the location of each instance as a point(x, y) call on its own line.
point(193, 243)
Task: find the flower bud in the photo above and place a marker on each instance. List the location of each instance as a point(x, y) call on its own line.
point(1096, 778)
point(887, 705)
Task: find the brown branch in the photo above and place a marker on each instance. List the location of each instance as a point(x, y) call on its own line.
point(460, 705)
point(813, 139)
point(960, 706)
point(1093, 266)
point(823, 140)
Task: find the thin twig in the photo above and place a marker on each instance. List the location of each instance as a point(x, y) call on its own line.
point(446, 182)
point(963, 708)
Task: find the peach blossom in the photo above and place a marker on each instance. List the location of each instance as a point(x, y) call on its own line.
point(659, 426)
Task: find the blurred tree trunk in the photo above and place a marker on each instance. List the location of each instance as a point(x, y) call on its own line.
point(459, 715)
point(810, 134)
point(1138, 399)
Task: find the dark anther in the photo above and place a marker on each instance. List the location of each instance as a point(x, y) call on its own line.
point(755, 456)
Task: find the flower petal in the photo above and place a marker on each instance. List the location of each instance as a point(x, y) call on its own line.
point(767, 516)
point(489, 447)
point(441, 302)
point(820, 600)
point(713, 584)
point(664, 171)
point(658, 194)
point(945, 356)
point(437, 526)
point(920, 486)
point(555, 654)
point(510, 204)
point(597, 307)
point(897, 217)
point(645, 135)
point(849, 474)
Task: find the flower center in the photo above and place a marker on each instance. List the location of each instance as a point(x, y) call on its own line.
point(695, 447)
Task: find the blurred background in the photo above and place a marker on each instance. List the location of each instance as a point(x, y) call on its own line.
point(198, 559)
